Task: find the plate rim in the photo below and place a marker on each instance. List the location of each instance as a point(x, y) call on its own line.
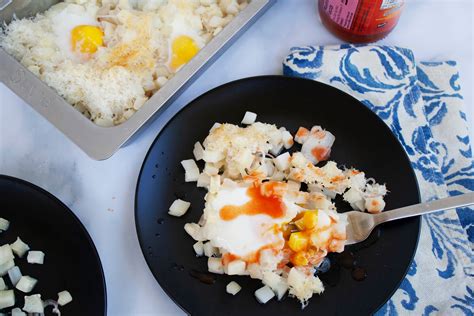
point(49, 195)
point(271, 77)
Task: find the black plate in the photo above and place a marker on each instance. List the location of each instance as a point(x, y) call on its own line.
point(362, 141)
point(71, 259)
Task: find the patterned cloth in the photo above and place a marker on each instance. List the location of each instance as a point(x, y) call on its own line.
point(422, 103)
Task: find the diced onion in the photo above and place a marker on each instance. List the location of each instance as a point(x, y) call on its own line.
point(64, 298)
point(33, 304)
point(264, 294)
point(26, 284)
point(35, 257)
point(179, 208)
point(19, 248)
point(199, 248)
point(214, 265)
point(15, 275)
point(18, 312)
point(7, 299)
point(5, 267)
point(3, 286)
point(233, 288)
point(249, 118)
point(198, 151)
point(191, 170)
point(236, 267)
point(4, 224)
point(6, 254)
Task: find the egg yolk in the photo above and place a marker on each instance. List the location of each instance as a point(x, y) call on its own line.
point(86, 38)
point(183, 49)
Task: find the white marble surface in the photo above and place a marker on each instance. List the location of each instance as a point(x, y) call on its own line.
point(101, 193)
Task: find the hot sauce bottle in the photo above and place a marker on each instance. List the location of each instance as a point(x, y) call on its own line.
point(360, 21)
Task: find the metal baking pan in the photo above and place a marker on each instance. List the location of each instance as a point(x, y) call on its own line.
point(102, 142)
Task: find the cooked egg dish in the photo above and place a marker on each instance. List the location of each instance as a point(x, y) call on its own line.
point(108, 57)
point(259, 219)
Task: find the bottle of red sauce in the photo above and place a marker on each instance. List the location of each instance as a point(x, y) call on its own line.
point(360, 21)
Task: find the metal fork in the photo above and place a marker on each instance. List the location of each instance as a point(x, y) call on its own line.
point(360, 225)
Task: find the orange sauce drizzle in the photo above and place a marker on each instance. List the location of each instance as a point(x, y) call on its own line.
point(265, 198)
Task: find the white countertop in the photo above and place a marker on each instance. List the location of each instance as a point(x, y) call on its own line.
point(101, 193)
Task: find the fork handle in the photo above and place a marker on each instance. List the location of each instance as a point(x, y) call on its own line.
point(425, 208)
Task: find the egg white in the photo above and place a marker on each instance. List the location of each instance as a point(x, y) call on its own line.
point(245, 234)
point(65, 21)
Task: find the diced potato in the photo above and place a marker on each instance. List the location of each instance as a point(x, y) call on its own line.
point(282, 162)
point(194, 230)
point(210, 169)
point(5, 267)
point(4, 224)
point(276, 149)
point(249, 118)
point(199, 248)
point(15, 275)
point(26, 284)
point(3, 286)
point(293, 185)
point(19, 248)
point(198, 151)
point(374, 204)
point(254, 271)
point(209, 250)
point(287, 139)
point(298, 241)
point(236, 267)
point(319, 239)
point(18, 312)
point(215, 184)
point(6, 254)
point(276, 283)
point(264, 294)
point(7, 299)
point(179, 208)
point(33, 304)
point(301, 135)
point(64, 297)
point(323, 220)
point(35, 257)
point(191, 170)
point(212, 156)
point(214, 265)
point(203, 181)
point(233, 288)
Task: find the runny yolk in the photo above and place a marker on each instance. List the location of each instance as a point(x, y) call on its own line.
point(86, 39)
point(265, 198)
point(183, 49)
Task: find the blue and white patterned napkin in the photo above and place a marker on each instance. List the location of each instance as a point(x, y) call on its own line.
point(422, 103)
